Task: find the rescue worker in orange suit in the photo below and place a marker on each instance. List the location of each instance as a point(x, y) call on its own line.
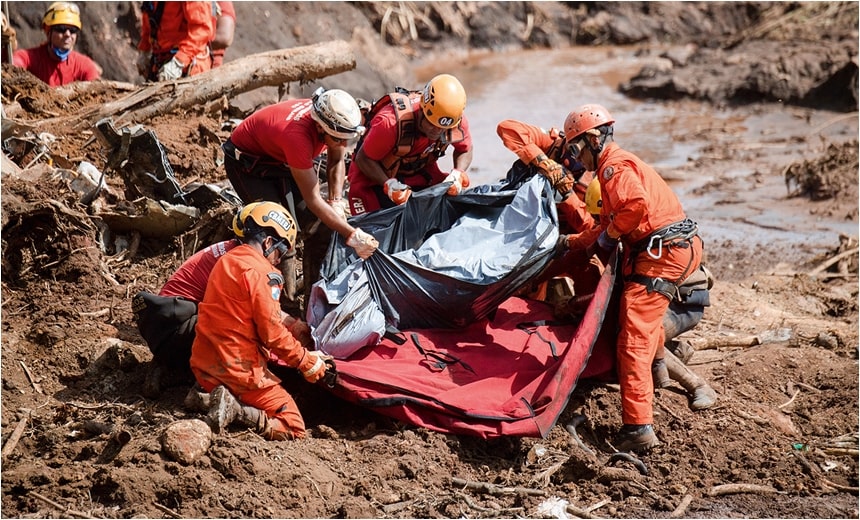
point(270, 156)
point(685, 311)
point(405, 139)
point(174, 39)
point(661, 250)
point(225, 27)
point(56, 62)
point(166, 320)
point(544, 151)
point(240, 323)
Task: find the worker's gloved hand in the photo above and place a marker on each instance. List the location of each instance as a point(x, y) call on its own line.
point(565, 184)
point(171, 70)
point(313, 366)
point(549, 169)
point(460, 180)
point(363, 243)
point(602, 247)
point(144, 61)
point(340, 207)
point(398, 192)
point(562, 245)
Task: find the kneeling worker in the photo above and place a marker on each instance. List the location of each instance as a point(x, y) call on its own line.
point(240, 324)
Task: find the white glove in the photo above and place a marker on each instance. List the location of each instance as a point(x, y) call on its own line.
point(171, 70)
point(460, 180)
point(144, 61)
point(340, 207)
point(313, 366)
point(363, 243)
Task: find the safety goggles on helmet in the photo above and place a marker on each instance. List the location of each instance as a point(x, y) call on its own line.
point(337, 112)
point(62, 13)
point(576, 145)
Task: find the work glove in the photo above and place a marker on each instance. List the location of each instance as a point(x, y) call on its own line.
point(363, 243)
point(460, 180)
point(398, 192)
point(144, 61)
point(602, 247)
point(565, 184)
point(171, 70)
point(313, 366)
point(340, 207)
point(299, 329)
point(549, 169)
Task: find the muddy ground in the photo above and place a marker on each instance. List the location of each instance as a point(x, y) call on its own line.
point(779, 343)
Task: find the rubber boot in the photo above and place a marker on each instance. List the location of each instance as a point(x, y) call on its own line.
point(701, 395)
point(223, 409)
point(636, 438)
point(197, 400)
point(681, 348)
point(660, 374)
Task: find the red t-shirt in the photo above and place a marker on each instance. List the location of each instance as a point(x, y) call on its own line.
point(284, 131)
point(189, 281)
point(45, 65)
point(380, 141)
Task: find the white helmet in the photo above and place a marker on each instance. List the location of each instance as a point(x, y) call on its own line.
point(337, 112)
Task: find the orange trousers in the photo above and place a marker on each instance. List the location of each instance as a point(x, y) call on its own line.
point(280, 408)
point(640, 324)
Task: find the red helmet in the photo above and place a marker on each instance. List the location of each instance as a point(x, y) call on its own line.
point(585, 118)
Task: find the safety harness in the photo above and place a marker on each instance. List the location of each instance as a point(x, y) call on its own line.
point(678, 234)
point(398, 163)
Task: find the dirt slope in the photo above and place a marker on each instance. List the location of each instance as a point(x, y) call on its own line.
point(780, 346)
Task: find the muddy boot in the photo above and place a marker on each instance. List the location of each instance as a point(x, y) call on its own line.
point(681, 348)
point(223, 409)
point(257, 419)
point(196, 400)
point(659, 374)
point(701, 395)
point(636, 438)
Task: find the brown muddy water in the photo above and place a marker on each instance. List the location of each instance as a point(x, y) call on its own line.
point(725, 163)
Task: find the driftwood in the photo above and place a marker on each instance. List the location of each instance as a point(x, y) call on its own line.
point(9, 447)
point(272, 68)
point(731, 489)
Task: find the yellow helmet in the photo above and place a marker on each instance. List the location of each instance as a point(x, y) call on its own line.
point(270, 215)
point(240, 216)
point(593, 203)
point(62, 13)
point(443, 101)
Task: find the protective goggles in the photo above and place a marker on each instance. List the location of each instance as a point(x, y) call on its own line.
point(281, 245)
point(576, 145)
point(60, 29)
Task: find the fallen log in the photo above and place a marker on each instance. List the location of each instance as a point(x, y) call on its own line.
point(272, 68)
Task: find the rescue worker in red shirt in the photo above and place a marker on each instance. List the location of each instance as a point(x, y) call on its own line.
point(225, 27)
point(174, 39)
point(56, 62)
point(270, 156)
point(661, 250)
point(406, 138)
point(240, 324)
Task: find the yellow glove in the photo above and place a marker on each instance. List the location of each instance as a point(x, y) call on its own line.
point(363, 243)
point(398, 192)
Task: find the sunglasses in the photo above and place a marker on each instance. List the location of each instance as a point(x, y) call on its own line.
point(60, 29)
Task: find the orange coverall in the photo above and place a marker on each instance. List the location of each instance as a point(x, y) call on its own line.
point(238, 324)
point(186, 28)
point(529, 141)
point(636, 203)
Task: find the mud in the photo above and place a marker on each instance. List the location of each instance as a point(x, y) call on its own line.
point(779, 343)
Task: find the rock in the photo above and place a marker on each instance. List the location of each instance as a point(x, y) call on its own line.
point(185, 441)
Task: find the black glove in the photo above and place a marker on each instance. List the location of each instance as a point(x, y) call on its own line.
point(602, 247)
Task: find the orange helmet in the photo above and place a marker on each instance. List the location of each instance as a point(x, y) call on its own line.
point(443, 101)
point(62, 13)
point(585, 118)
